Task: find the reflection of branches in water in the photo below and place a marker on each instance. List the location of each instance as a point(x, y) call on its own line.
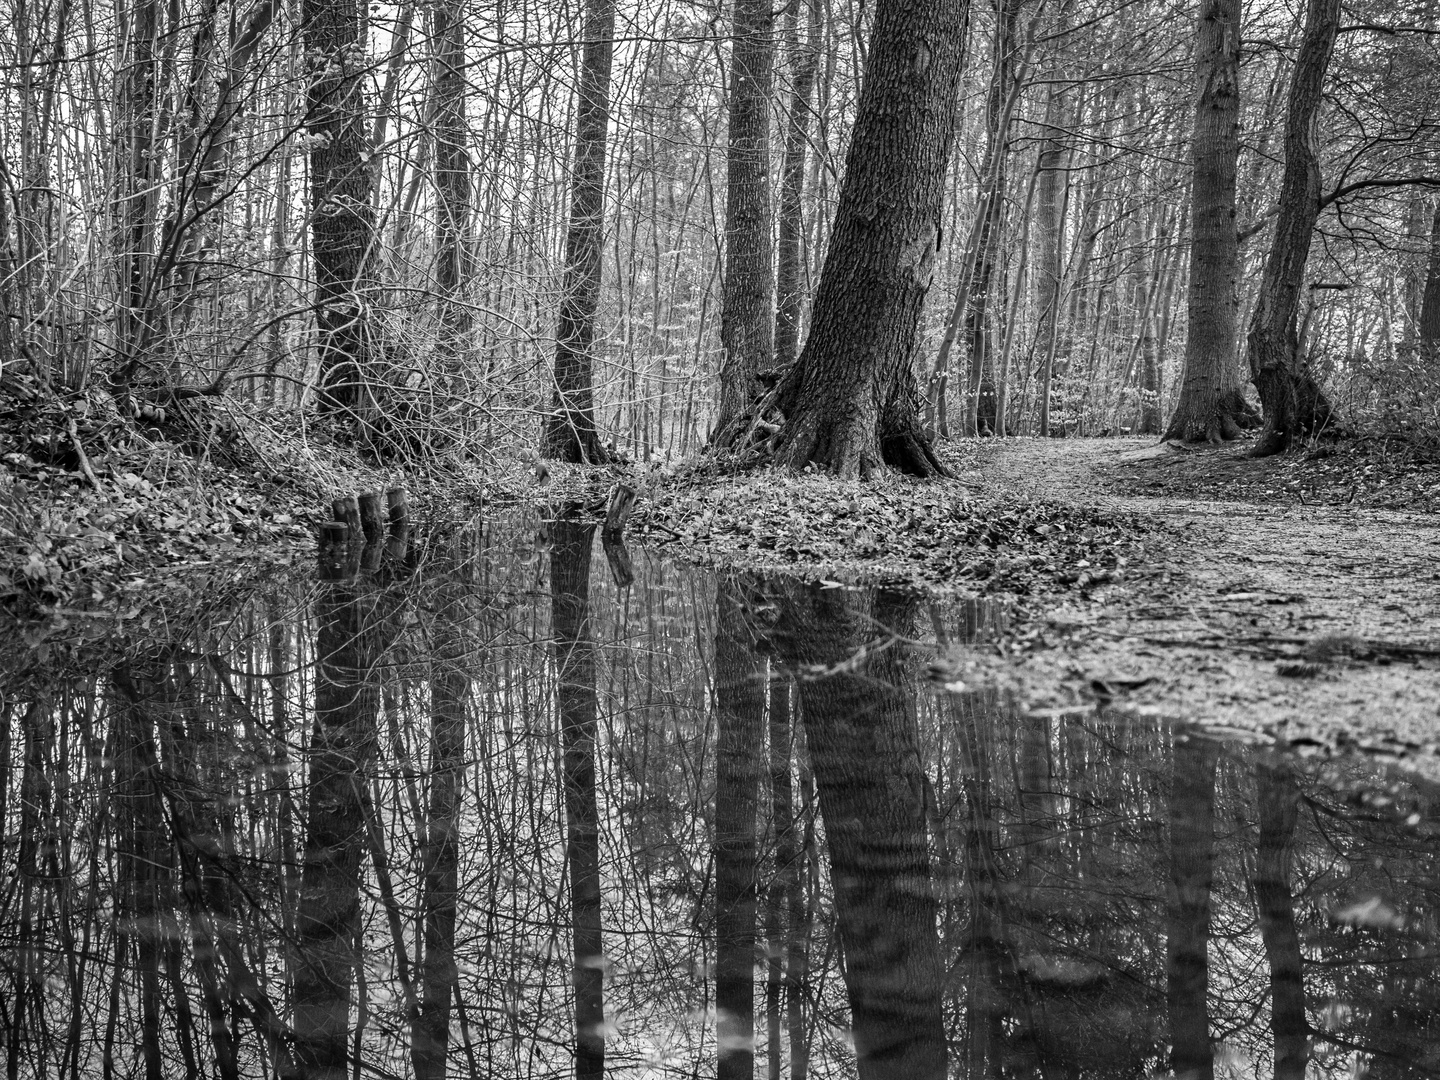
point(210, 832)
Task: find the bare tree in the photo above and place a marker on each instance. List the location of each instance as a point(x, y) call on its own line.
point(1212, 406)
point(341, 214)
point(747, 300)
point(1294, 404)
point(850, 401)
point(570, 433)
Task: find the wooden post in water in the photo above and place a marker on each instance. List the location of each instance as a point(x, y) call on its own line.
point(347, 509)
point(333, 533)
point(370, 517)
point(399, 507)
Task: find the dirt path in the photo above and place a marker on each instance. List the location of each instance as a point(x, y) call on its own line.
point(1301, 623)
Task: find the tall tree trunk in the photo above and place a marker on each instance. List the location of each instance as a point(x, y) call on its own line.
point(790, 254)
point(1429, 328)
point(740, 708)
point(578, 705)
point(1279, 815)
point(850, 401)
point(980, 396)
point(570, 433)
point(342, 220)
point(1294, 404)
point(137, 197)
point(1192, 870)
point(747, 297)
point(861, 732)
point(1049, 242)
point(452, 166)
point(1212, 406)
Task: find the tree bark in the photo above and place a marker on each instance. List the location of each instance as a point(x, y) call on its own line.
point(790, 254)
point(342, 215)
point(1429, 329)
point(1294, 405)
point(850, 401)
point(747, 298)
point(452, 163)
point(1212, 406)
point(1049, 241)
point(570, 433)
point(980, 396)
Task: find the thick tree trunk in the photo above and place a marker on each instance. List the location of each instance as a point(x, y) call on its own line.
point(790, 254)
point(342, 214)
point(575, 664)
point(740, 708)
point(570, 433)
point(1294, 404)
point(1192, 871)
point(850, 401)
point(747, 297)
point(860, 729)
point(1212, 406)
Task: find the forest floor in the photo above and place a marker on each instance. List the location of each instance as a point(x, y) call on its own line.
point(1294, 599)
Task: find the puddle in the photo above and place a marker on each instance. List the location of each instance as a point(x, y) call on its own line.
point(509, 803)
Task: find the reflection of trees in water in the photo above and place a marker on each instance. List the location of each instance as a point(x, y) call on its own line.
point(740, 717)
point(578, 707)
point(860, 731)
point(370, 785)
point(1192, 867)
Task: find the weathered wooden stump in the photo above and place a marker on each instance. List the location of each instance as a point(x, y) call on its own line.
point(371, 517)
point(333, 533)
point(347, 509)
point(399, 507)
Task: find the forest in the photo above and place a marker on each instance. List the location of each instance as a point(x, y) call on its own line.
point(831, 539)
point(474, 232)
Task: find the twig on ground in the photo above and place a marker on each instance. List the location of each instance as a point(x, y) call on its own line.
point(80, 453)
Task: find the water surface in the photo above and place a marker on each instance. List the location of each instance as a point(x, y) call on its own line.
point(502, 802)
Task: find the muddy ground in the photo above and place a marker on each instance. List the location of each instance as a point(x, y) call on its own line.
point(1274, 600)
